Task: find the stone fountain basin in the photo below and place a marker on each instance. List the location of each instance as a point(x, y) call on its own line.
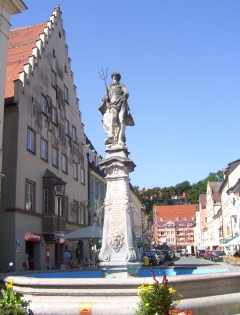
point(204, 294)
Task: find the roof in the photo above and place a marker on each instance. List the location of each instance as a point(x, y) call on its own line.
point(49, 174)
point(20, 44)
point(202, 200)
point(215, 186)
point(173, 211)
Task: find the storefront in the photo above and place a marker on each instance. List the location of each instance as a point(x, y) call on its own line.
point(32, 249)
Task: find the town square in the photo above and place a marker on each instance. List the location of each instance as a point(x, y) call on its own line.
point(117, 193)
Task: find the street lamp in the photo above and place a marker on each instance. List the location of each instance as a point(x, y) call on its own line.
point(59, 189)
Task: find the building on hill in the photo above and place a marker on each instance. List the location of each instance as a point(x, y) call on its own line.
point(43, 140)
point(174, 226)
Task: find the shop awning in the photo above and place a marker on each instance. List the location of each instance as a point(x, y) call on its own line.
point(208, 244)
point(235, 240)
point(92, 232)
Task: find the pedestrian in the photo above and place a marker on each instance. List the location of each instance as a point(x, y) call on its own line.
point(66, 258)
point(87, 262)
point(27, 259)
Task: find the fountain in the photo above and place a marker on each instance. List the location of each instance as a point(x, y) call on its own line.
point(119, 256)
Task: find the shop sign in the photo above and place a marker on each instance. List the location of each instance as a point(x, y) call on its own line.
point(85, 308)
point(61, 241)
point(32, 237)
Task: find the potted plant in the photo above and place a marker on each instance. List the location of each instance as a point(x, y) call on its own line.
point(158, 299)
point(11, 302)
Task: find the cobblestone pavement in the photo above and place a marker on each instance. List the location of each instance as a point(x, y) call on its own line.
point(201, 263)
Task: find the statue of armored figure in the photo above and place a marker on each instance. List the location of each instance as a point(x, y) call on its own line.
point(116, 113)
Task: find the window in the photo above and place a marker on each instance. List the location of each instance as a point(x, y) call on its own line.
point(64, 163)
point(66, 127)
point(90, 155)
point(185, 232)
point(178, 233)
point(184, 218)
point(54, 157)
point(54, 115)
point(162, 233)
point(30, 191)
point(82, 214)
point(177, 218)
point(168, 232)
point(177, 225)
point(185, 225)
point(45, 201)
point(161, 219)
point(43, 104)
point(66, 94)
point(54, 79)
point(74, 134)
point(75, 172)
point(31, 140)
point(172, 240)
point(186, 239)
point(82, 175)
point(44, 150)
point(172, 232)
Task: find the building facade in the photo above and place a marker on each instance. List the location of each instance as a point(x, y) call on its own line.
point(174, 225)
point(43, 140)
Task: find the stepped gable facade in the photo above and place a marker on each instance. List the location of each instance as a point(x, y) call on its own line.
point(43, 140)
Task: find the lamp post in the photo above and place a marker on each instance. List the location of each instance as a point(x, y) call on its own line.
point(94, 218)
point(59, 189)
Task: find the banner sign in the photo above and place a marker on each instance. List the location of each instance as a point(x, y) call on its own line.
point(32, 237)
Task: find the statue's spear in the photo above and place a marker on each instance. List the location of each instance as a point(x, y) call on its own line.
point(104, 76)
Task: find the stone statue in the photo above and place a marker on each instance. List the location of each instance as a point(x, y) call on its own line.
point(116, 113)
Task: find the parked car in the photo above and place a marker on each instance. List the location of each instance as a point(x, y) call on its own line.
point(207, 254)
point(169, 255)
point(200, 252)
point(217, 255)
point(160, 255)
point(153, 258)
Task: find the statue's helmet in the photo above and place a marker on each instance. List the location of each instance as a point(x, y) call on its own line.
point(117, 74)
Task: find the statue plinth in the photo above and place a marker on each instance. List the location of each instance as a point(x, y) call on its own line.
point(119, 246)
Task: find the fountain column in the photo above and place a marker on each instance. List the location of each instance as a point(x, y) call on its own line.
point(119, 253)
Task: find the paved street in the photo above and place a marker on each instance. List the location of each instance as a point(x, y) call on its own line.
point(201, 263)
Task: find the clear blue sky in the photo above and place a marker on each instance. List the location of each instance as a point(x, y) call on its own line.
point(180, 61)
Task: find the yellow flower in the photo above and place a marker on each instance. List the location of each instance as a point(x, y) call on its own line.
point(146, 304)
point(10, 284)
point(172, 291)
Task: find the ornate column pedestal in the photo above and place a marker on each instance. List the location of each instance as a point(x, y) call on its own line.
point(119, 254)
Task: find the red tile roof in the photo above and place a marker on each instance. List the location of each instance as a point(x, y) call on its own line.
point(20, 44)
point(171, 212)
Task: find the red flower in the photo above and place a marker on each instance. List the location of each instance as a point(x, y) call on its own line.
point(24, 264)
point(188, 312)
point(175, 311)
